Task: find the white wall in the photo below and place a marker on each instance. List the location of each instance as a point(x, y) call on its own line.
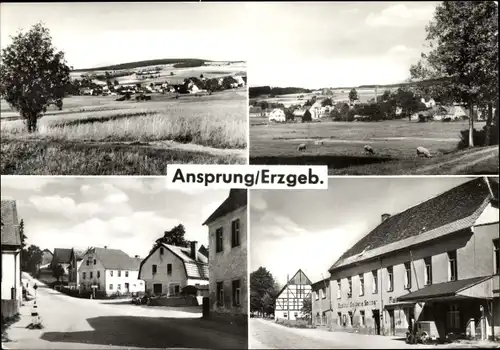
point(178, 275)
point(119, 281)
point(11, 265)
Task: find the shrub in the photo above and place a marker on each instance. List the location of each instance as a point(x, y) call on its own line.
point(479, 137)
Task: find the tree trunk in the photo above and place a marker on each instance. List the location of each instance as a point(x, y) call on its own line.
point(31, 122)
point(471, 125)
point(489, 119)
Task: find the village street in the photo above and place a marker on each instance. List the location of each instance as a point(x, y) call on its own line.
point(266, 334)
point(73, 323)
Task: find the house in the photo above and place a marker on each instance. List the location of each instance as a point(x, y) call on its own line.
point(315, 110)
point(289, 300)
point(169, 268)
point(438, 261)
point(111, 271)
point(299, 113)
point(239, 80)
point(256, 112)
point(11, 258)
point(227, 227)
point(63, 257)
point(451, 113)
point(277, 115)
point(321, 302)
point(87, 91)
point(428, 102)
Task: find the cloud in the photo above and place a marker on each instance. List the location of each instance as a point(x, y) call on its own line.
point(27, 183)
point(400, 16)
point(257, 202)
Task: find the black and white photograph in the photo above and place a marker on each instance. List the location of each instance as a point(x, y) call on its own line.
point(375, 88)
point(407, 262)
point(122, 263)
point(121, 88)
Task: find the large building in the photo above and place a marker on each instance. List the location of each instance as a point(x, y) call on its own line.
point(227, 228)
point(290, 299)
point(437, 261)
point(11, 257)
point(321, 303)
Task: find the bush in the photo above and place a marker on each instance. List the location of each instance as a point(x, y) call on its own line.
point(298, 323)
point(479, 137)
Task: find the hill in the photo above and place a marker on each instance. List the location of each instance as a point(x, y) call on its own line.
point(177, 62)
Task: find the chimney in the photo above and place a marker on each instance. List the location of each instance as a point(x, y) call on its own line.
point(385, 217)
point(194, 249)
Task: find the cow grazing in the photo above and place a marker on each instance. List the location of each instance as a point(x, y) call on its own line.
point(369, 149)
point(422, 151)
point(301, 147)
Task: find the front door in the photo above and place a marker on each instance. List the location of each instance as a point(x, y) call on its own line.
point(127, 288)
point(376, 318)
point(157, 288)
point(392, 322)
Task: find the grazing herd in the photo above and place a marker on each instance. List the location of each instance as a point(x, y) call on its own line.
point(421, 151)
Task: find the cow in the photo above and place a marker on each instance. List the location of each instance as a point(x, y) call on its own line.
point(369, 149)
point(422, 151)
point(301, 147)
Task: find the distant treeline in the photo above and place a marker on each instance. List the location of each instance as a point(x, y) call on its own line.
point(414, 83)
point(178, 63)
point(273, 91)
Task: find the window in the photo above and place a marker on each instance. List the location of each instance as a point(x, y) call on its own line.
point(374, 282)
point(453, 317)
point(428, 271)
point(126, 273)
point(496, 249)
point(95, 262)
point(362, 318)
point(285, 315)
point(110, 287)
point(296, 314)
point(119, 286)
point(349, 287)
point(361, 285)
point(84, 276)
point(323, 293)
point(316, 295)
point(351, 318)
point(236, 293)
point(111, 273)
point(88, 262)
point(452, 265)
point(218, 240)
point(235, 233)
point(220, 293)
point(407, 275)
point(339, 318)
point(169, 269)
point(98, 274)
point(161, 250)
point(339, 290)
point(119, 273)
point(390, 279)
point(91, 274)
point(154, 269)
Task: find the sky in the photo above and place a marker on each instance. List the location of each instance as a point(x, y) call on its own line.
point(96, 34)
point(335, 44)
point(311, 229)
point(124, 213)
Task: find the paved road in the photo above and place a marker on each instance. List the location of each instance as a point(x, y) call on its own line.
point(73, 323)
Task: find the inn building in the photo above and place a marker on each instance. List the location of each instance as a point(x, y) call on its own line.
point(436, 263)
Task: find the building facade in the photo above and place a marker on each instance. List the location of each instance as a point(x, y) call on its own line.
point(170, 268)
point(109, 270)
point(290, 299)
point(437, 262)
point(227, 228)
point(321, 303)
point(11, 253)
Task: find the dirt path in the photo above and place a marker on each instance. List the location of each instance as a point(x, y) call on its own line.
point(463, 161)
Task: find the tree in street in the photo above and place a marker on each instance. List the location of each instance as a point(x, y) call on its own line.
point(33, 74)
point(307, 308)
point(263, 289)
point(58, 272)
point(31, 258)
point(408, 102)
point(463, 38)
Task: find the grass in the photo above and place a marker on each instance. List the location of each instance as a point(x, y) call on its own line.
point(6, 323)
point(394, 142)
point(294, 323)
point(98, 135)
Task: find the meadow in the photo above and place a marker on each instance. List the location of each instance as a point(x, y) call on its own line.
point(342, 146)
point(96, 135)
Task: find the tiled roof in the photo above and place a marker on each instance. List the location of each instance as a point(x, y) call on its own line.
point(448, 212)
point(115, 259)
point(194, 268)
point(237, 198)
point(445, 289)
point(10, 224)
point(321, 284)
point(62, 256)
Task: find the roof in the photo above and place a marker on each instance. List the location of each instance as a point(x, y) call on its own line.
point(255, 110)
point(237, 199)
point(299, 278)
point(445, 289)
point(115, 259)
point(448, 212)
point(321, 284)
point(10, 224)
point(62, 256)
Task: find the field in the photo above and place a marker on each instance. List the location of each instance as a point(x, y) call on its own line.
point(97, 135)
point(394, 143)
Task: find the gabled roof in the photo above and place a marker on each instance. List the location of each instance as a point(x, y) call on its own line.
point(237, 198)
point(10, 224)
point(194, 268)
point(449, 212)
point(299, 278)
point(321, 284)
point(115, 259)
point(62, 256)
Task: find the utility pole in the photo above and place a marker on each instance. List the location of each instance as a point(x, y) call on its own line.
point(376, 93)
point(287, 298)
